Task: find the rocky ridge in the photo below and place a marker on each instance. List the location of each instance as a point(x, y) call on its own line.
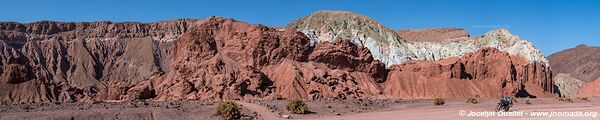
point(388, 47)
point(581, 62)
point(575, 68)
point(219, 58)
point(63, 61)
point(246, 61)
point(237, 61)
point(487, 73)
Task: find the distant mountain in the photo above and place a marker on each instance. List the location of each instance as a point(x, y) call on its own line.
point(581, 62)
point(575, 70)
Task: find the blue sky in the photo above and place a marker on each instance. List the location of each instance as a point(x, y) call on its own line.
point(551, 25)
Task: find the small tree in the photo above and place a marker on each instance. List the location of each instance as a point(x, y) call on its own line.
point(228, 110)
point(297, 107)
point(438, 101)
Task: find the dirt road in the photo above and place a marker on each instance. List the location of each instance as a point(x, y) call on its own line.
point(453, 112)
point(453, 109)
point(263, 111)
point(404, 110)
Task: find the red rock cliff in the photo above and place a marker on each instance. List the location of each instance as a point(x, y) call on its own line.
point(60, 61)
point(487, 73)
point(218, 58)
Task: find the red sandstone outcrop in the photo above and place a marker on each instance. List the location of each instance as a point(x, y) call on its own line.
point(487, 73)
point(432, 34)
point(60, 61)
point(346, 56)
point(338, 70)
point(239, 60)
point(317, 81)
point(220, 58)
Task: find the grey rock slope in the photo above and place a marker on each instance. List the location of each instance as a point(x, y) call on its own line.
point(567, 85)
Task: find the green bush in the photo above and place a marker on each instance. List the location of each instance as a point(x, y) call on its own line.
point(297, 107)
point(438, 101)
point(228, 110)
point(583, 98)
point(472, 101)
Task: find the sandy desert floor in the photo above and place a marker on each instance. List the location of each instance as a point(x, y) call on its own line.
point(453, 110)
point(387, 109)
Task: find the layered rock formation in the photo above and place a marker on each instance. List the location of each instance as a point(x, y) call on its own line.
point(329, 26)
point(487, 73)
point(215, 59)
point(389, 48)
point(223, 58)
point(350, 56)
point(59, 61)
point(240, 60)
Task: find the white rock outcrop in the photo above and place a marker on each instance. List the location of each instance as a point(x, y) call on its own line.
point(386, 46)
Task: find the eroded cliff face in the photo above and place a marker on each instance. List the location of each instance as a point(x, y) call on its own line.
point(521, 64)
point(59, 61)
point(222, 58)
point(218, 58)
point(385, 45)
point(214, 58)
point(228, 59)
point(487, 73)
point(330, 26)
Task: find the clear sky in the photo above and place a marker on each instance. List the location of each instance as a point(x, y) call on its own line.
point(552, 25)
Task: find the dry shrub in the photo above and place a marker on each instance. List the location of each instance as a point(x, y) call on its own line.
point(297, 107)
point(228, 110)
point(472, 101)
point(438, 101)
point(527, 102)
